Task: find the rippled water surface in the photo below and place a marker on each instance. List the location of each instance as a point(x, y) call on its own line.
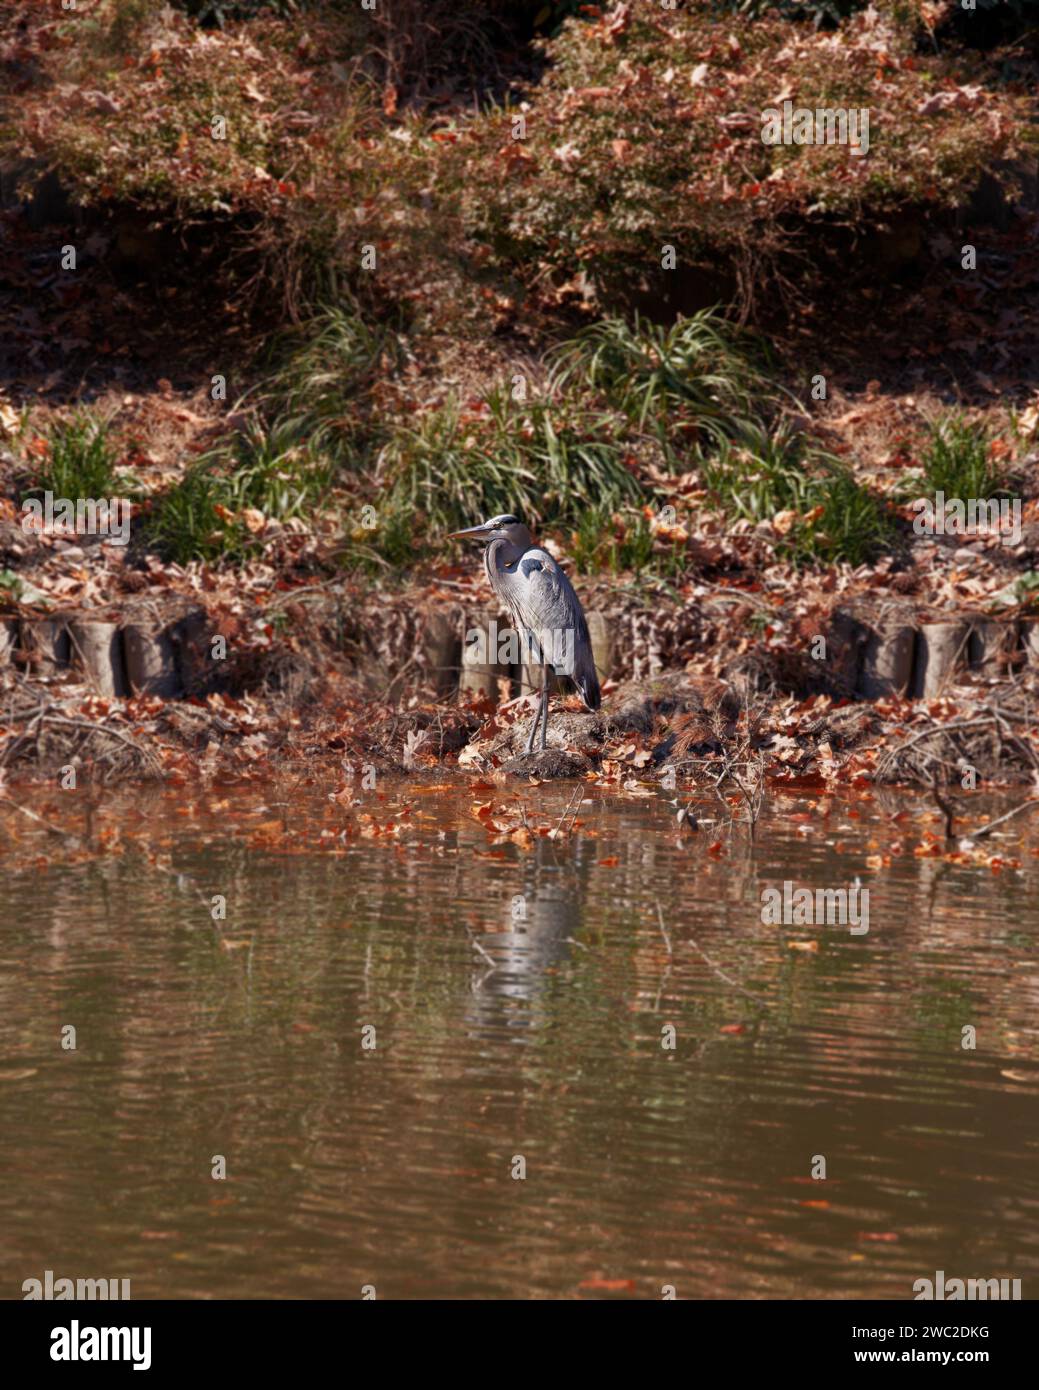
point(499, 1038)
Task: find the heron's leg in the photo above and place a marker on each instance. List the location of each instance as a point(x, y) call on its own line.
point(544, 707)
point(533, 730)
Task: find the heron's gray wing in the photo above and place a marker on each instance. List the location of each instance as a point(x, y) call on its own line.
point(544, 604)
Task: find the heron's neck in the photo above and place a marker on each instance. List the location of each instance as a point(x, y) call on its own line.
point(499, 553)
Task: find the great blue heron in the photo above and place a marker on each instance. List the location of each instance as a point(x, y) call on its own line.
point(544, 607)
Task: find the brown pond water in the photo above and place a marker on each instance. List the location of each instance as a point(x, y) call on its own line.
point(497, 1038)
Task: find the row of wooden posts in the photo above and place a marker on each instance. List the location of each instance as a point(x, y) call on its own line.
point(448, 651)
point(922, 660)
point(901, 657)
point(168, 658)
point(117, 659)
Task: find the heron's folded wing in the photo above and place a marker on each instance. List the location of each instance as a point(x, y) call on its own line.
point(544, 603)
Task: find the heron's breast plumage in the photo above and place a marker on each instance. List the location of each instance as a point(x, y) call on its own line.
point(541, 600)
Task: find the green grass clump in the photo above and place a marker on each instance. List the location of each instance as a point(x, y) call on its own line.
point(320, 391)
point(392, 544)
point(185, 524)
point(312, 423)
point(539, 458)
point(570, 455)
point(604, 543)
point(80, 460)
point(957, 460)
point(695, 381)
point(767, 474)
point(267, 471)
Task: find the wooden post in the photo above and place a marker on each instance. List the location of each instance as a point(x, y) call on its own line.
point(8, 639)
point(97, 647)
point(600, 630)
point(991, 642)
point(46, 640)
point(482, 627)
point(442, 650)
point(887, 662)
point(191, 636)
point(941, 651)
point(1030, 640)
point(151, 662)
point(845, 640)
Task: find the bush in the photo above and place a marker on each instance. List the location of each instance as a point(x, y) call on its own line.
point(171, 118)
point(263, 132)
point(646, 130)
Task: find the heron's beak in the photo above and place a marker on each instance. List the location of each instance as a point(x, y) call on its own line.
point(482, 530)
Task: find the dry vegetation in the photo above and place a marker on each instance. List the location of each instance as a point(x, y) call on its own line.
point(422, 318)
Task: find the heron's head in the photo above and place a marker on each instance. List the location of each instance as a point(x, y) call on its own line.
point(505, 527)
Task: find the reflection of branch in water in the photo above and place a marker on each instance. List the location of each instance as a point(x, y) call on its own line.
point(734, 984)
point(982, 830)
point(181, 879)
point(663, 930)
point(944, 807)
point(987, 829)
point(54, 829)
point(486, 954)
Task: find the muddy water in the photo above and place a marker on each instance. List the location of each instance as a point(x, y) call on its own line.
point(499, 1038)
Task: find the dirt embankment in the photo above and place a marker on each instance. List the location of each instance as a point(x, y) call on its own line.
point(805, 685)
point(921, 666)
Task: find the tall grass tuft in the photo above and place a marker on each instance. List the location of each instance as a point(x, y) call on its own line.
point(321, 390)
point(696, 381)
point(538, 458)
point(202, 516)
point(957, 460)
point(765, 474)
point(619, 543)
point(80, 459)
